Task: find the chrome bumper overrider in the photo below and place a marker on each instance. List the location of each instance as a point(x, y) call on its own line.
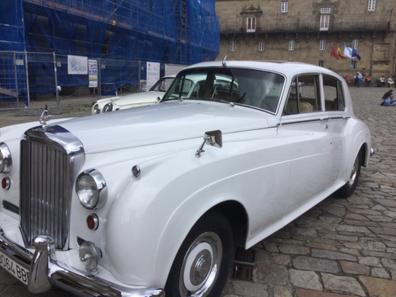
point(45, 272)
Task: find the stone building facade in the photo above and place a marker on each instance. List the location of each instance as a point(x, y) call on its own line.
point(309, 30)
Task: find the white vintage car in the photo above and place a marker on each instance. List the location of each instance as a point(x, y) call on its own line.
point(134, 100)
point(152, 201)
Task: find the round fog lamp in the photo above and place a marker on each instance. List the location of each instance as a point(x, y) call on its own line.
point(5, 158)
point(91, 189)
point(89, 255)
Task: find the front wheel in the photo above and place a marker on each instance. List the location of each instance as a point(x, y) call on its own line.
point(348, 189)
point(203, 263)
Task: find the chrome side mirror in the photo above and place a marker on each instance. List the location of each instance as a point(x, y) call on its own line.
point(212, 138)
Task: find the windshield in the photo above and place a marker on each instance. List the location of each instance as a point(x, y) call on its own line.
point(248, 87)
point(163, 84)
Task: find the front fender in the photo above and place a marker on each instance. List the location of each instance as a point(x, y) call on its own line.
point(154, 214)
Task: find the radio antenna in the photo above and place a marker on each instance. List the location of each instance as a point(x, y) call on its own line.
point(224, 61)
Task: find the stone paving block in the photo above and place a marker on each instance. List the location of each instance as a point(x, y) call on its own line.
point(322, 246)
point(271, 274)
point(379, 254)
point(354, 268)
point(352, 229)
point(332, 255)
point(311, 293)
point(370, 261)
point(388, 263)
point(379, 287)
point(281, 259)
point(342, 284)
point(380, 272)
point(315, 264)
point(305, 279)
point(293, 249)
point(280, 291)
point(248, 289)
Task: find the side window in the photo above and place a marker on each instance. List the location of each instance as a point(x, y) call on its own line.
point(334, 95)
point(304, 95)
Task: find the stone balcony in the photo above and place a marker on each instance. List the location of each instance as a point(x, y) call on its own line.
point(308, 23)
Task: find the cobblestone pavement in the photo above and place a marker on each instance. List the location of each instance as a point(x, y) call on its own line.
point(341, 248)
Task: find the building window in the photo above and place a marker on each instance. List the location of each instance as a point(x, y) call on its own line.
point(324, 22)
point(260, 46)
point(292, 44)
point(251, 24)
point(371, 5)
point(321, 63)
point(355, 44)
point(322, 45)
point(325, 10)
point(232, 45)
point(284, 6)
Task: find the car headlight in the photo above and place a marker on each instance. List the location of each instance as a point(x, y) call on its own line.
point(5, 158)
point(108, 107)
point(96, 109)
point(91, 189)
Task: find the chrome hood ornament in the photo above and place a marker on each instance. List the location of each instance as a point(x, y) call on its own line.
point(44, 117)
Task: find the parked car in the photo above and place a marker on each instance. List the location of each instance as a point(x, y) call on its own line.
point(133, 100)
point(153, 200)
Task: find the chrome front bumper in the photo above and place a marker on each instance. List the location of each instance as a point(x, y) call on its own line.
point(45, 273)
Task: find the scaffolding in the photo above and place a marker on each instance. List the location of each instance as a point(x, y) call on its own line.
point(165, 31)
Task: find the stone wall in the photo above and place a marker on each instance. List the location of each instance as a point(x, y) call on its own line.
point(349, 20)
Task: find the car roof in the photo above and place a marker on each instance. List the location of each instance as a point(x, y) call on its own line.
point(287, 68)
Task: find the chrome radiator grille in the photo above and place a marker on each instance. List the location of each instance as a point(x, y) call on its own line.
point(47, 172)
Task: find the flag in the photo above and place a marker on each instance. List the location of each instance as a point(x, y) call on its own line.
point(355, 55)
point(339, 52)
point(348, 52)
point(334, 53)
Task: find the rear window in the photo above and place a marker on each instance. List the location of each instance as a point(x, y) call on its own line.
point(333, 92)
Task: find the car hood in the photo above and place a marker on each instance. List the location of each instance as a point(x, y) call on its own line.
point(138, 98)
point(161, 123)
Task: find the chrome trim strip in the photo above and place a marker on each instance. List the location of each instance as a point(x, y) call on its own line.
point(302, 121)
point(44, 271)
point(326, 118)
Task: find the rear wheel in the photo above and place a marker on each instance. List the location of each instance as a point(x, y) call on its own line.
point(203, 263)
point(348, 189)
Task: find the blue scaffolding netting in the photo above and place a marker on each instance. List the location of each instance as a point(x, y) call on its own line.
point(116, 31)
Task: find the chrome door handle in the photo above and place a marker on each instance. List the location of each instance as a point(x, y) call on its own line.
point(325, 121)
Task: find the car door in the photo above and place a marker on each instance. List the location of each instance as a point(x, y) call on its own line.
point(334, 103)
point(304, 132)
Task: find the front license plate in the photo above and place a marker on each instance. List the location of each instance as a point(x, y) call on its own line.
point(17, 270)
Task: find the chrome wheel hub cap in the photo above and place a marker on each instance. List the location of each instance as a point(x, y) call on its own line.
point(354, 172)
point(201, 265)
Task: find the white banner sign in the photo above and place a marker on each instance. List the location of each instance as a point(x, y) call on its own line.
point(153, 74)
point(172, 69)
point(93, 73)
point(77, 65)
